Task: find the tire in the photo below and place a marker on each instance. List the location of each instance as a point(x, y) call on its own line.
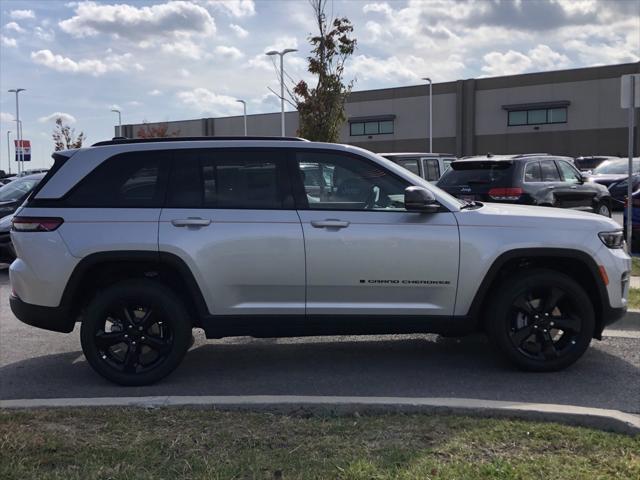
point(603, 209)
point(135, 332)
point(517, 324)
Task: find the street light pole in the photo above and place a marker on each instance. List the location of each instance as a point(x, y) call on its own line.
point(244, 105)
point(430, 114)
point(9, 149)
point(282, 54)
point(18, 125)
point(119, 121)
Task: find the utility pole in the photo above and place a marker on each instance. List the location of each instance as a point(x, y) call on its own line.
point(9, 149)
point(119, 121)
point(244, 105)
point(282, 54)
point(430, 114)
point(18, 126)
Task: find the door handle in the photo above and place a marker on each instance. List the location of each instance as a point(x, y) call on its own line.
point(191, 222)
point(329, 223)
point(574, 187)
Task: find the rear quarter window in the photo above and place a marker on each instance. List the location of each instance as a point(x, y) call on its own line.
point(133, 179)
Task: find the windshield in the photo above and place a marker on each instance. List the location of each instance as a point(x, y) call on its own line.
point(616, 167)
point(15, 190)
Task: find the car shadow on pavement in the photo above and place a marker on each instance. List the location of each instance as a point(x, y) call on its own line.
point(416, 367)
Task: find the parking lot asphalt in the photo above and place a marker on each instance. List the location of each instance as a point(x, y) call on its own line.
point(36, 363)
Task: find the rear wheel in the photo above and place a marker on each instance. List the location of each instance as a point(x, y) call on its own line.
point(135, 332)
point(542, 320)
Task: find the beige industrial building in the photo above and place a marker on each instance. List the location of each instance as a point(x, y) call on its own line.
point(567, 112)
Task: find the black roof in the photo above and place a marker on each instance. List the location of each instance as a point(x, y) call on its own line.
point(125, 141)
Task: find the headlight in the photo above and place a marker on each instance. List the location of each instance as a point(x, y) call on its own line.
point(612, 239)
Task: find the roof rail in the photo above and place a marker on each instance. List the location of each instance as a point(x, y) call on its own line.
point(522, 155)
point(125, 141)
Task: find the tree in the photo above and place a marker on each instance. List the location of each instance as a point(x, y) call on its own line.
point(64, 137)
point(160, 130)
point(321, 109)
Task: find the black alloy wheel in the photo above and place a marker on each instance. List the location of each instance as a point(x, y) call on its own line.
point(542, 320)
point(135, 332)
point(544, 323)
point(134, 338)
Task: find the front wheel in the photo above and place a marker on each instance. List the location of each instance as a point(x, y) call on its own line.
point(135, 332)
point(542, 320)
point(603, 209)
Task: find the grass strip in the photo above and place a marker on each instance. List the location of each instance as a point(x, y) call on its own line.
point(189, 443)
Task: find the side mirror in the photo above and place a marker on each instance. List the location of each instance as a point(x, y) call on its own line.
point(584, 177)
point(418, 199)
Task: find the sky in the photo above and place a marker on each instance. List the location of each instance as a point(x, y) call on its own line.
point(171, 60)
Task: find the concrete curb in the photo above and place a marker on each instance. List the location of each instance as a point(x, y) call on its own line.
point(604, 419)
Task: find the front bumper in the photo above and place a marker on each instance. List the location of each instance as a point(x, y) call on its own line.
point(55, 319)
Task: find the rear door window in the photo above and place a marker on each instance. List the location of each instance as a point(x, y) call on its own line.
point(549, 171)
point(133, 179)
point(432, 169)
point(236, 179)
point(532, 172)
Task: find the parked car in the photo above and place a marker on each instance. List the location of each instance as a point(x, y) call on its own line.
point(589, 163)
point(230, 236)
point(6, 179)
point(32, 171)
point(619, 190)
point(12, 195)
point(429, 166)
point(635, 221)
point(611, 171)
point(534, 179)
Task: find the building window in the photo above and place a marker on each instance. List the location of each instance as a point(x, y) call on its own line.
point(375, 127)
point(538, 116)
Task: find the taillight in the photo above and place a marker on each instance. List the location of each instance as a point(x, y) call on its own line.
point(36, 224)
point(505, 193)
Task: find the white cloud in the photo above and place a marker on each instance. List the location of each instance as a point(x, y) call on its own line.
point(231, 53)
point(22, 14)
point(6, 117)
point(95, 67)
point(66, 117)
point(184, 72)
point(204, 100)
point(283, 42)
point(238, 30)
point(155, 92)
point(15, 27)
point(134, 103)
point(46, 35)
point(127, 21)
point(392, 68)
point(8, 42)
point(234, 8)
point(542, 57)
point(183, 47)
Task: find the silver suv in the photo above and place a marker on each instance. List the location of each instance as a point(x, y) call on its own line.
point(142, 241)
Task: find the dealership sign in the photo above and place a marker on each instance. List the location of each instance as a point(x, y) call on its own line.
point(23, 150)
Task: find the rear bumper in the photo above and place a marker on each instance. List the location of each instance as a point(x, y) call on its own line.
point(612, 315)
point(55, 319)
